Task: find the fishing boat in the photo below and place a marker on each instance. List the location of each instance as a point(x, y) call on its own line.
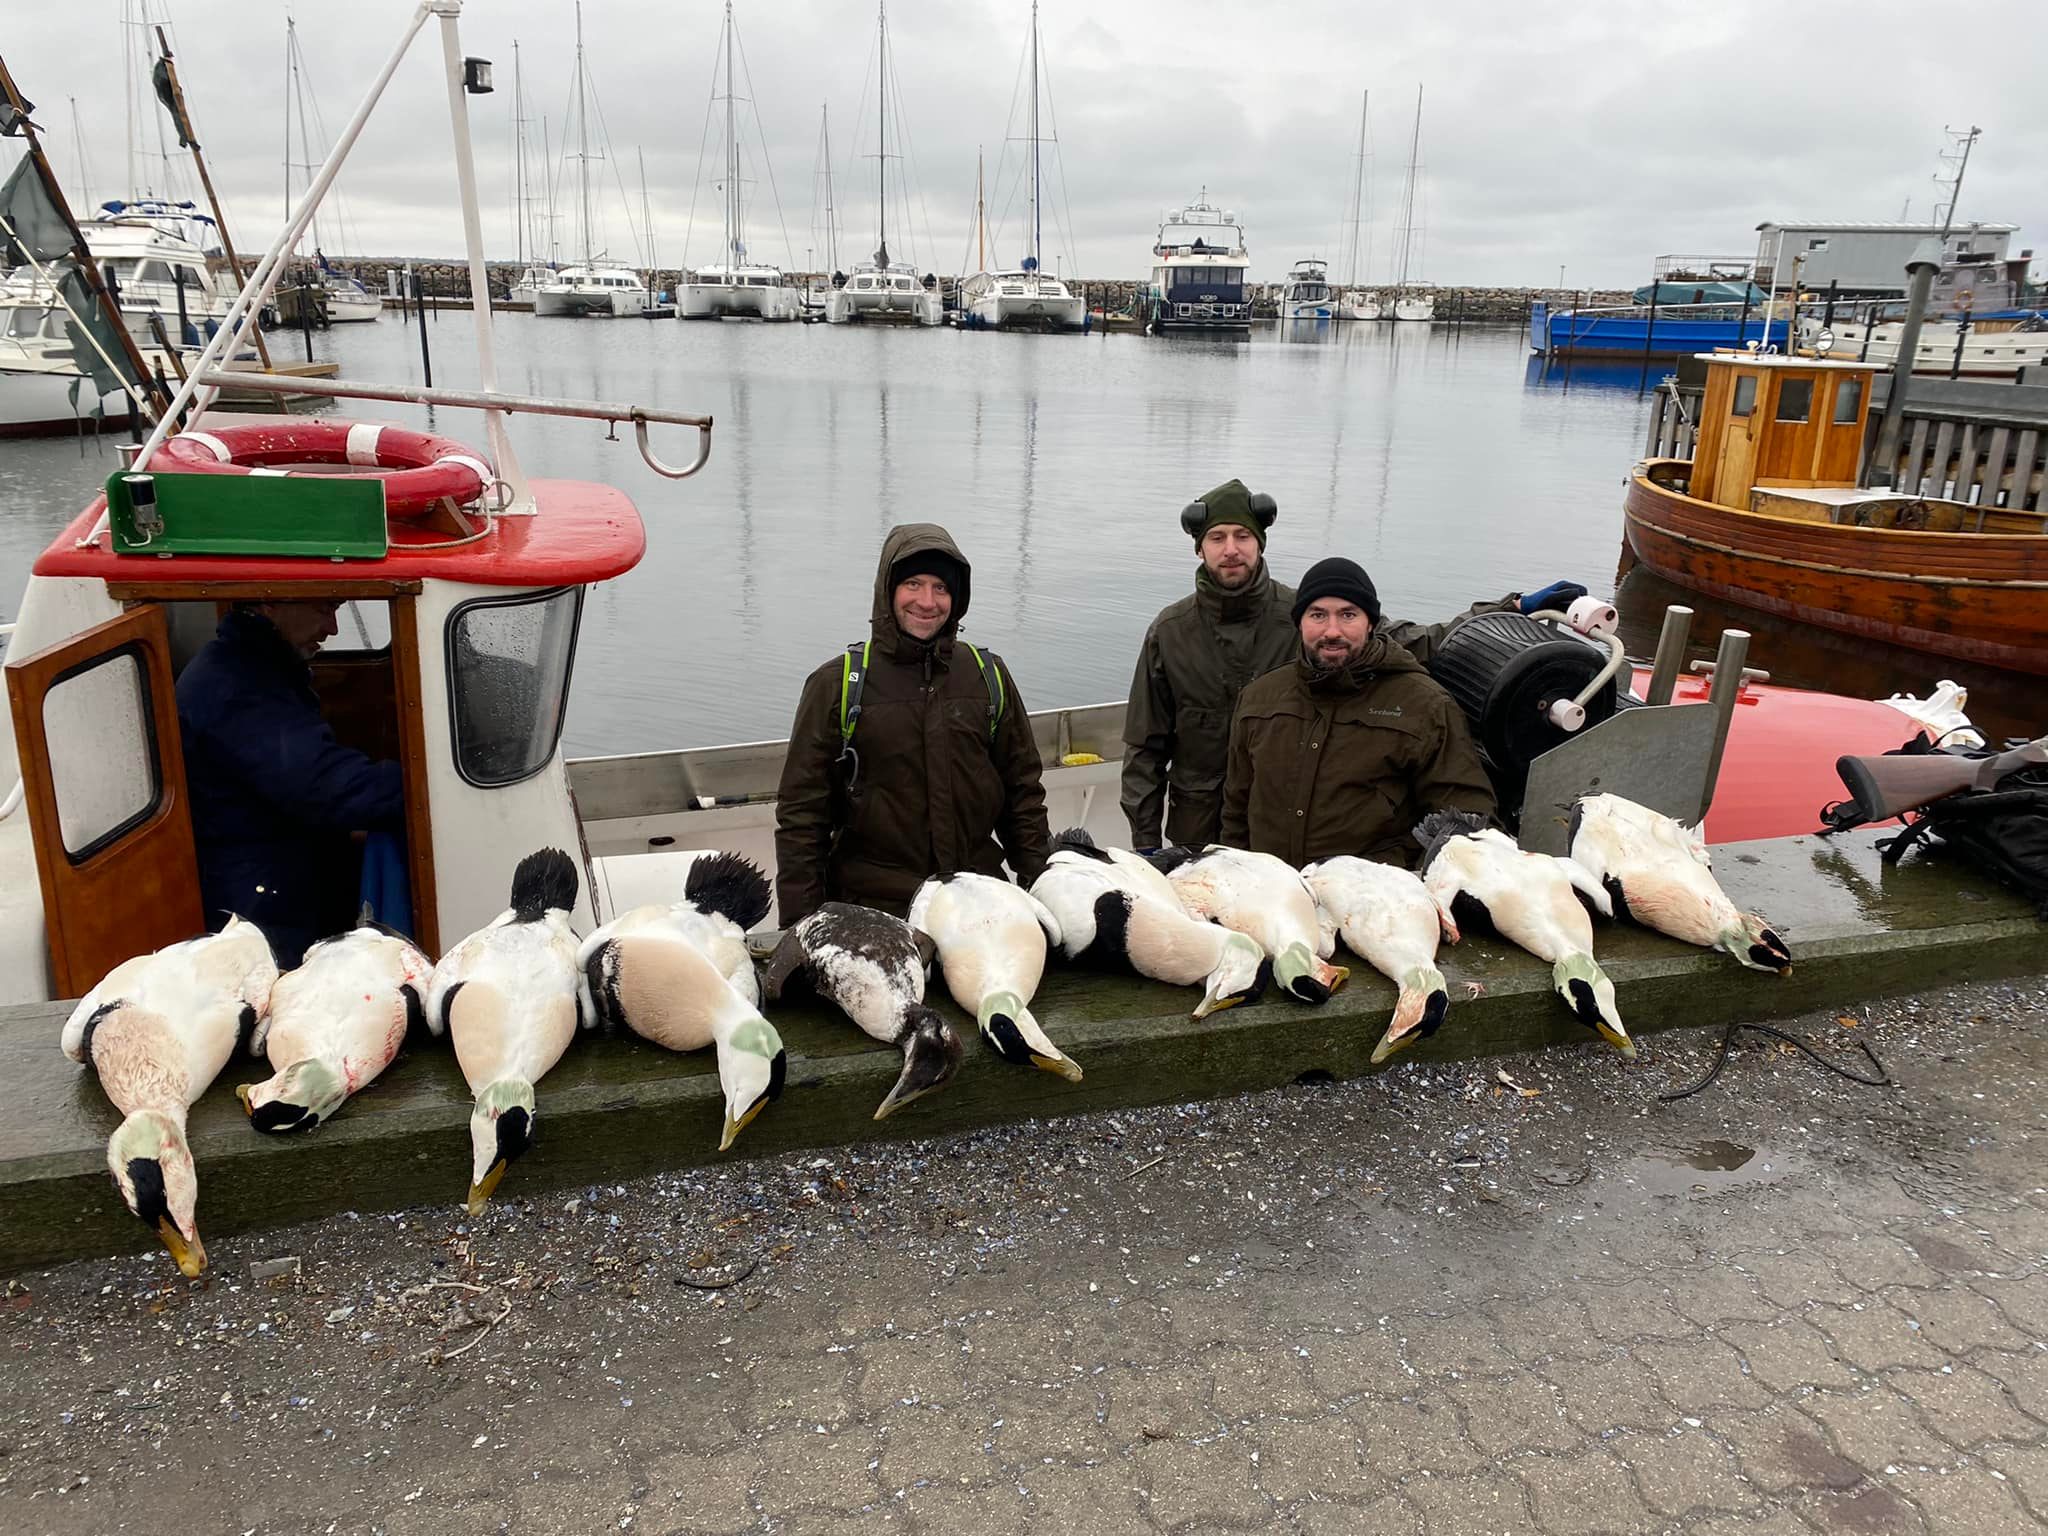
point(734, 287)
point(1024, 297)
point(1411, 298)
point(592, 287)
point(1307, 295)
point(1769, 512)
point(1663, 330)
point(880, 291)
point(1978, 324)
point(1197, 282)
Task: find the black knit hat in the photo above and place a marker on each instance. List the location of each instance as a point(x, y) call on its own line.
point(930, 562)
point(1337, 577)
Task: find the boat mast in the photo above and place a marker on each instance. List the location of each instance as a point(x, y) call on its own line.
point(1358, 190)
point(831, 213)
point(732, 154)
point(582, 141)
point(519, 158)
point(1037, 259)
point(882, 143)
point(980, 217)
point(1408, 197)
point(646, 222)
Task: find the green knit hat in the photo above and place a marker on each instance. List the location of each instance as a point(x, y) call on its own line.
point(1230, 502)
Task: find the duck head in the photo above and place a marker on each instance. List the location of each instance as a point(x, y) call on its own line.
point(500, 1128)
point(1300, 972)
point(296, 1099)
point(1015, 1034)
point(1590, 995)
point(1418, 1014)
point(1240, 976)
point(152, 1167)
point(931, 1055)
point(751, 1067)
point(1753, 943)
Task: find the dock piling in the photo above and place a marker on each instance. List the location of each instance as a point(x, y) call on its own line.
point(1671, 642)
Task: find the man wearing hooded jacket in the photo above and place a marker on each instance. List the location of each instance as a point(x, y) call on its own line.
point(937, 771)
point(1204, 650)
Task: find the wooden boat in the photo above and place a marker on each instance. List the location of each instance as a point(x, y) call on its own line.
point(1768, 513)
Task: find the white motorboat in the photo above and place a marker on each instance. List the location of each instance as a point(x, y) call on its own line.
point(881, 291)
point(152, 271)
point(527, 286)
point(1198, 272)
point(1307, 295)
point(1996, 347)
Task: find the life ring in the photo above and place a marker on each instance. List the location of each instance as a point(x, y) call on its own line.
point(418, 470)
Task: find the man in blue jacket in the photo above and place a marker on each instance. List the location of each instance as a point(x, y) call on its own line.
point(275, 798)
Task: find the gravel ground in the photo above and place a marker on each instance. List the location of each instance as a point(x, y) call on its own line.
point(1523, 1294)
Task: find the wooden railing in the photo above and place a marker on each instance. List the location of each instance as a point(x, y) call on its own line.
point(1985, 444)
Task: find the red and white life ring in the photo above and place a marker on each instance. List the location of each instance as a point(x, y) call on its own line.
point(417, 468)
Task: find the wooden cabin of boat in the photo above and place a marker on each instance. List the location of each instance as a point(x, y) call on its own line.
point(1769, 421)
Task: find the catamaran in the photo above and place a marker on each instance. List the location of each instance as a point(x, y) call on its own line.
point(880, 290)
point(1024, 296)
point(593, 286)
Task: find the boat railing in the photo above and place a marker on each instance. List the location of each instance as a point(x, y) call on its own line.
point(1674, 420)
point(1982, 444)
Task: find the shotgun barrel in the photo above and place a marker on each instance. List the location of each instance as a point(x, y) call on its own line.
point(1894, 783)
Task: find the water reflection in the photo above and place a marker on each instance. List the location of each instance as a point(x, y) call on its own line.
point(1601, 374)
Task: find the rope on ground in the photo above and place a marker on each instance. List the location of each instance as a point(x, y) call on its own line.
point(1882, 1080)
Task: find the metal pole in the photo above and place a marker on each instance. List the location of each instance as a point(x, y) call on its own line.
point(229, 338)
point(419, 296)
point(502, 455)
point(1649, 337)
point(1742, 325)
point(1727, 686)
point(1921, 269)
point(1670, 658)
point(1955, 366)
point(82, 254)
point(1827, 317)
point(220, 218)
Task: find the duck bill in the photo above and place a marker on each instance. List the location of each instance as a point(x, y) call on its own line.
point(1059, 1066)
point(242, 1092)
point(190, 1256)
point(1617, 1037)
point(899, 1096)
point(734, 1127)
point(1209, 1005)
point(480, 1192)
point(1396, 1039)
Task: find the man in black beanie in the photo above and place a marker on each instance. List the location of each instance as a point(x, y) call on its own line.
point(1348, 748)
point(1199, 655)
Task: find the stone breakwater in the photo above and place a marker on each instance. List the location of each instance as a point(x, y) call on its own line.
point(443, 280)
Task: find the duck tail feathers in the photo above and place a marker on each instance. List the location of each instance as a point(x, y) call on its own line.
point(1439, 827)
point(729, 885)
point(1077, 840)
point(544, 882)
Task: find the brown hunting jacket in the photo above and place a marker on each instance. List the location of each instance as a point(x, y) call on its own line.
point(1348, 762)
point(926, 790)
point(1198, 656)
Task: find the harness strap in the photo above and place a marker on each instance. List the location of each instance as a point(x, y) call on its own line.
point(853, 677)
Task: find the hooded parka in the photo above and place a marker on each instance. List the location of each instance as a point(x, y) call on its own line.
point(1325, 763)
point(925, 789)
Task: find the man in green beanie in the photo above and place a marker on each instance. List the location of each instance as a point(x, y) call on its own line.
point(1200, 654)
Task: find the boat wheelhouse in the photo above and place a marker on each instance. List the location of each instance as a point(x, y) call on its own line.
point(1198, 266)
point(1307, 295)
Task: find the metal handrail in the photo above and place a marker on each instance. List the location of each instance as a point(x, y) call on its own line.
point(483, 400)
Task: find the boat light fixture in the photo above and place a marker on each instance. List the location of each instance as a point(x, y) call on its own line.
point(476, 76)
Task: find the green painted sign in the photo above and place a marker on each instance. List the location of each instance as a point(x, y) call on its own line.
point(330, 517)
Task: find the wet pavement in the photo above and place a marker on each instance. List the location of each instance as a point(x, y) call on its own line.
point(1518, 1294)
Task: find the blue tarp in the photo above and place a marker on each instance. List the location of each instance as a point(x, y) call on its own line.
point(1672, 291)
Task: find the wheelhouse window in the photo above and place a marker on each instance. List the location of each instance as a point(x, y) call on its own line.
point(1795, 399)
point(1745, 395)
point(509, 660)
point(1848, 400)
point(103, 755)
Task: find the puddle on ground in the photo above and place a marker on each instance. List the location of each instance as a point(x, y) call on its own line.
point(1707, 1168)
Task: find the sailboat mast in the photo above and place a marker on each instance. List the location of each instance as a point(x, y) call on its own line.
point(288, 66)
point(831, 213)
point(1358, 191)
point(1408, 197)
point(882, 143)
point(582, 140)
point(1037, 259)
point(518, 158)
point(646, 222)
point(980, 217)
point(732, 153)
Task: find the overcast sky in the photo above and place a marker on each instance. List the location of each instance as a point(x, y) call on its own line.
point(1594, 134)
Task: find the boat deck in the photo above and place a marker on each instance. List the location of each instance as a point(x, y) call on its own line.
point(616, 1108)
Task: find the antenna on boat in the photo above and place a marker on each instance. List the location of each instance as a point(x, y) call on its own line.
point(1959, 153)
point(207, 375)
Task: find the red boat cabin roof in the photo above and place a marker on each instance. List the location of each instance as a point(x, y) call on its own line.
point(582, 533)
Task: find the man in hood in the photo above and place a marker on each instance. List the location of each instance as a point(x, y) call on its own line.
point(911, 754)
point(1348, 748)
point(1202, 651)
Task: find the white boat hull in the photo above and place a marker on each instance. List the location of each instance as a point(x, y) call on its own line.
point(882, 307)
point(600, 303)
point(731, 301)
point(350, 308)
point(1006, 311)
point(1307, 309)
point(39, 404)
point(1986, 354)
point(1410, 308)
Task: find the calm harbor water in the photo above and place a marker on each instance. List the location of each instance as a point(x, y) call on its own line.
point(1443, 461)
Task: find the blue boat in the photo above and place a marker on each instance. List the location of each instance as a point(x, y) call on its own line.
point(1629, 330)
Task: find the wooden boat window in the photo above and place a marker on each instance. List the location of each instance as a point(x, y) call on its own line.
point(1745, 395)
point(1795, 399)
point(101, 736)
point(1848, 400)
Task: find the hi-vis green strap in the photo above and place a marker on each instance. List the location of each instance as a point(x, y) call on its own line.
point(853, 677)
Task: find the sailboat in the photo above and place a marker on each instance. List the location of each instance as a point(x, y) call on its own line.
point(1411, 300)
point(1023, 296)
point(340, 296)
point(1357, 304)
point(733, 285)
point(534, 270)
point(657, 305)
point(880, 290)
point(593, 286)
